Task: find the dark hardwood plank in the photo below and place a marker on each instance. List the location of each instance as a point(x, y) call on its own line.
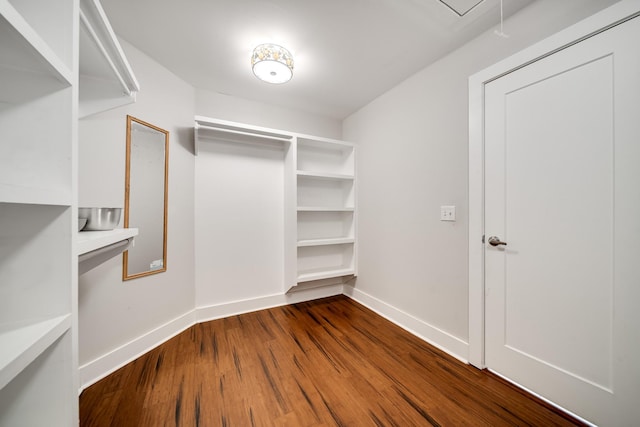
point(329, 362)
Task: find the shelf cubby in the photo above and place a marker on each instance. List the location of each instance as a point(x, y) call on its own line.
point(53, 22)
point(325, 193)
point(325, 261)
point(35, 155)
point(35, 272)
point(313, 225)
point(23, 343)
point(325, 156)
point(27, 59)
point(39, 395)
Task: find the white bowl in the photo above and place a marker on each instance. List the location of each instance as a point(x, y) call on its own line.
point(100, 218)
point(81, 223)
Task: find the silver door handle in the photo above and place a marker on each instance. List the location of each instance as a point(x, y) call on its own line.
point(495, 241)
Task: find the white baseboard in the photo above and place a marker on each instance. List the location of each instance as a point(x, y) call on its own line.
point(106, 364)
point(429, 333)
point(99, 368)
point(218, 311)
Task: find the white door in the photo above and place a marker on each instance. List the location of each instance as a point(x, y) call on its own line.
point(562, 180)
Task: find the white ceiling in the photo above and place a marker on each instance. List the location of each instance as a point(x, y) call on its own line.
point(346, 52)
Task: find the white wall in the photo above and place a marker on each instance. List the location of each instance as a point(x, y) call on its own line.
point(413, 159)
point(113, 313)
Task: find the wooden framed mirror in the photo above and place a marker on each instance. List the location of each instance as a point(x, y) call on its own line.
point(145, 200)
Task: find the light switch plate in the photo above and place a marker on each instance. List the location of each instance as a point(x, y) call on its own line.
point(447, 213)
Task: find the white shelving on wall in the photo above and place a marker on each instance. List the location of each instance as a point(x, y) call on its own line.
point(40, 43)
point(320, 239)
point(38, 209)
point(106, 78)
point(326, 209)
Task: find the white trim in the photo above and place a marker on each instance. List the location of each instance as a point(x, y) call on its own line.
point(426, 332)
point(219, 311)
point(108, 363)
point(618, 12)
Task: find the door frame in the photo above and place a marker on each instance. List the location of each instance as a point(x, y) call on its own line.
point(601, 21)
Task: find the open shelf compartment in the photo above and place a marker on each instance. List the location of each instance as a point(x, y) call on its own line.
point(29, 68)
point(22, 343)
point(39, 394)
point(328, 157)
point(325, 261)
point(320, 192)
point(325, 225)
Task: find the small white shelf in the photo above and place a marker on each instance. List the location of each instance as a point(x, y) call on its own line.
point(91, 240)
point(323, 209)
point(325, 242)
point(22, 344)
point(311, 275)
point(327, 176)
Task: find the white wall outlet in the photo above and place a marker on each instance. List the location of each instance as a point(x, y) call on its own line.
point(447, 213)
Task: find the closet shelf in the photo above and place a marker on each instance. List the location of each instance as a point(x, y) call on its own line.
point(22, 344)
point(323, 209)
point(96, 247)
point(91, 240)
point(308, 276)
point(106, 78)
point(326, 242)
point(328, 176)
point(27, 58)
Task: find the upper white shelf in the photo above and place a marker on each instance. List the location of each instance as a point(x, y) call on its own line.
point(91, 240)
point(106, 78)
point(29, 68)
point(22, 344)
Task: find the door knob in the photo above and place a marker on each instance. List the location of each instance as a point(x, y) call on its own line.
point(495, 241)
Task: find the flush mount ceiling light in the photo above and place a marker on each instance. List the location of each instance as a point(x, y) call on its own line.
point(272, 63)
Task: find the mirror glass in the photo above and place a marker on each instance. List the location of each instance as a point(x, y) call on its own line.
point(145, 205)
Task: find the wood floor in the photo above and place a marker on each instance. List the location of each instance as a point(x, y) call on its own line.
point(329, 362)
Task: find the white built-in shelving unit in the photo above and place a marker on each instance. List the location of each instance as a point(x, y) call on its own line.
point(326, 184)
point(39, 97)
point(106, 78)
point(38, 276)
point(320, 211)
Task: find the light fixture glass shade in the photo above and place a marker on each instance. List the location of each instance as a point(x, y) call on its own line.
point(272, 63)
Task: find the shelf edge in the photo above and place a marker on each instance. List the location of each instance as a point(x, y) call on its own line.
point(45, 333)
point(91, 240)
point(328, 274)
